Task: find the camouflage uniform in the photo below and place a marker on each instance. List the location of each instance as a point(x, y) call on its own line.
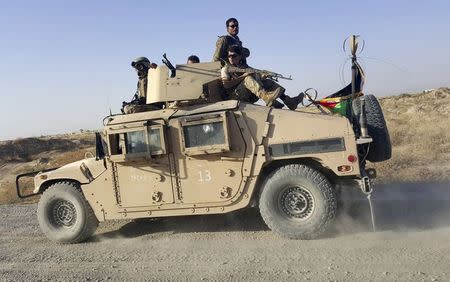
point(131, 108)
point(252, 88)
point(139, 103)
point(142, 89)
point(222, 45)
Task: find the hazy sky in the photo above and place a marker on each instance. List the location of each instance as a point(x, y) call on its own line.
point(64, 64)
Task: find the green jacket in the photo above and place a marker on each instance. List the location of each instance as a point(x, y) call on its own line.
point(222, 44)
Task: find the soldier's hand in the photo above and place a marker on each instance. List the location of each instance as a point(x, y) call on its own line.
point(268, 76)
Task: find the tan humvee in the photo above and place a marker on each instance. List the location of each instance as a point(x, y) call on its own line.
point(205, 157)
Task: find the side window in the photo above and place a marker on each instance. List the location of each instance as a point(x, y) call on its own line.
point(154, 139)
point(136, 141)
point(205, 134)
point(114, 141)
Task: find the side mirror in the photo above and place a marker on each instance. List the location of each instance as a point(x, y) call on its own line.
point(99, 150)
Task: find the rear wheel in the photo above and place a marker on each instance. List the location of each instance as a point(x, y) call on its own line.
point(64, 215)
point(298, 202)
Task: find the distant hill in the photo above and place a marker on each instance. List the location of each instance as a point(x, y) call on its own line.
point(36, 153)
point(418, 125)
point(419, 129)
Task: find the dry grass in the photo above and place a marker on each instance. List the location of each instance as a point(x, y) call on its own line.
point(418, 125)
point(33, 154)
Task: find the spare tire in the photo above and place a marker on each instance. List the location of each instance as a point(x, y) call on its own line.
point(380, 149)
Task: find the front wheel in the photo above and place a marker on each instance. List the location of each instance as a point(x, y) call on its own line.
point(298, 202)
point(64, 215)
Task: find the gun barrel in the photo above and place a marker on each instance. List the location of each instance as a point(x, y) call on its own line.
point(169, 65)
point(252, 70)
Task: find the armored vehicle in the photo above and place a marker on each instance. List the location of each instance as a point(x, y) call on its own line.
point(205, 156)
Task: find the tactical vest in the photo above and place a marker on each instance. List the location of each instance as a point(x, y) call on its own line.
point(232, 41)
point(227, 41)
point(142, 88)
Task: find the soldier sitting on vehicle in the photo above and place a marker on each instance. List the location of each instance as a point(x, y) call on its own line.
point(139, 102)
point(193, 59)
point(225, 41)
point(249, 87)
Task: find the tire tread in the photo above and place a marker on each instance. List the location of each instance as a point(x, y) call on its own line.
point(91, 222)
point(312, 230)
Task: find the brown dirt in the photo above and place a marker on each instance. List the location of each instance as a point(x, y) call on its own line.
point(411, 244)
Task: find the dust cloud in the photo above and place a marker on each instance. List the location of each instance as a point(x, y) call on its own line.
point(400, 207)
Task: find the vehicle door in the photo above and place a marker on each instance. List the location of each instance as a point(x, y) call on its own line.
point(208, 152)
point(140, 164)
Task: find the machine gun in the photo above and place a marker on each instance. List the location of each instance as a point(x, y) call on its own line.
point(169, 65)
point(272, 75)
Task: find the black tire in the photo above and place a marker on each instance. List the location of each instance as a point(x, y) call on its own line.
point(64, 215)
point(380, 149)
point(298, 202)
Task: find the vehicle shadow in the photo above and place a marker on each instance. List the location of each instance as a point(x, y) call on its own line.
point(245, 220)
point(402, 206)
point(397, 207)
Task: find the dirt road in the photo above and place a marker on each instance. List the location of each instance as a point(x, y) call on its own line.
point(412, 244)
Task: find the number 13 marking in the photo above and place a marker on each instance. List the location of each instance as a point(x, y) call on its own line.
point(204, 175)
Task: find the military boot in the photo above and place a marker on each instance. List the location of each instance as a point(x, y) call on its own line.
point(269, 96)
point(277, 105)
point(292, 103)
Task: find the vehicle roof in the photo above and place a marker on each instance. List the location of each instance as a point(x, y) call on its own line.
point(175, 112)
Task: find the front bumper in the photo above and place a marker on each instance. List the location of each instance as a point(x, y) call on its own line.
point(19, 189)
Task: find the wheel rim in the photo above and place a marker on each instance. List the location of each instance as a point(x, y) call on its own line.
point(297, 203)
point(63, 213)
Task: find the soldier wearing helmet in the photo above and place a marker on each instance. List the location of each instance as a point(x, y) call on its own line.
point(142, 65)
point(139, 102)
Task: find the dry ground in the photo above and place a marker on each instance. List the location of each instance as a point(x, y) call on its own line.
point(412, 242)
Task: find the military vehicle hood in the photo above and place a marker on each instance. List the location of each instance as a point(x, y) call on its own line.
point(83, 171)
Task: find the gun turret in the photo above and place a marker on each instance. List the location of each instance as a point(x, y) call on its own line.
point(169, 65)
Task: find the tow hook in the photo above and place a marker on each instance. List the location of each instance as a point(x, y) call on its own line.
point(366, 188)
point(366, 185)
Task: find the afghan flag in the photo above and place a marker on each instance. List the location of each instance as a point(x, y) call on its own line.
point(338, 105)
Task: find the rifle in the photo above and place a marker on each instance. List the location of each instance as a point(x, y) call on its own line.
point(271, 74)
